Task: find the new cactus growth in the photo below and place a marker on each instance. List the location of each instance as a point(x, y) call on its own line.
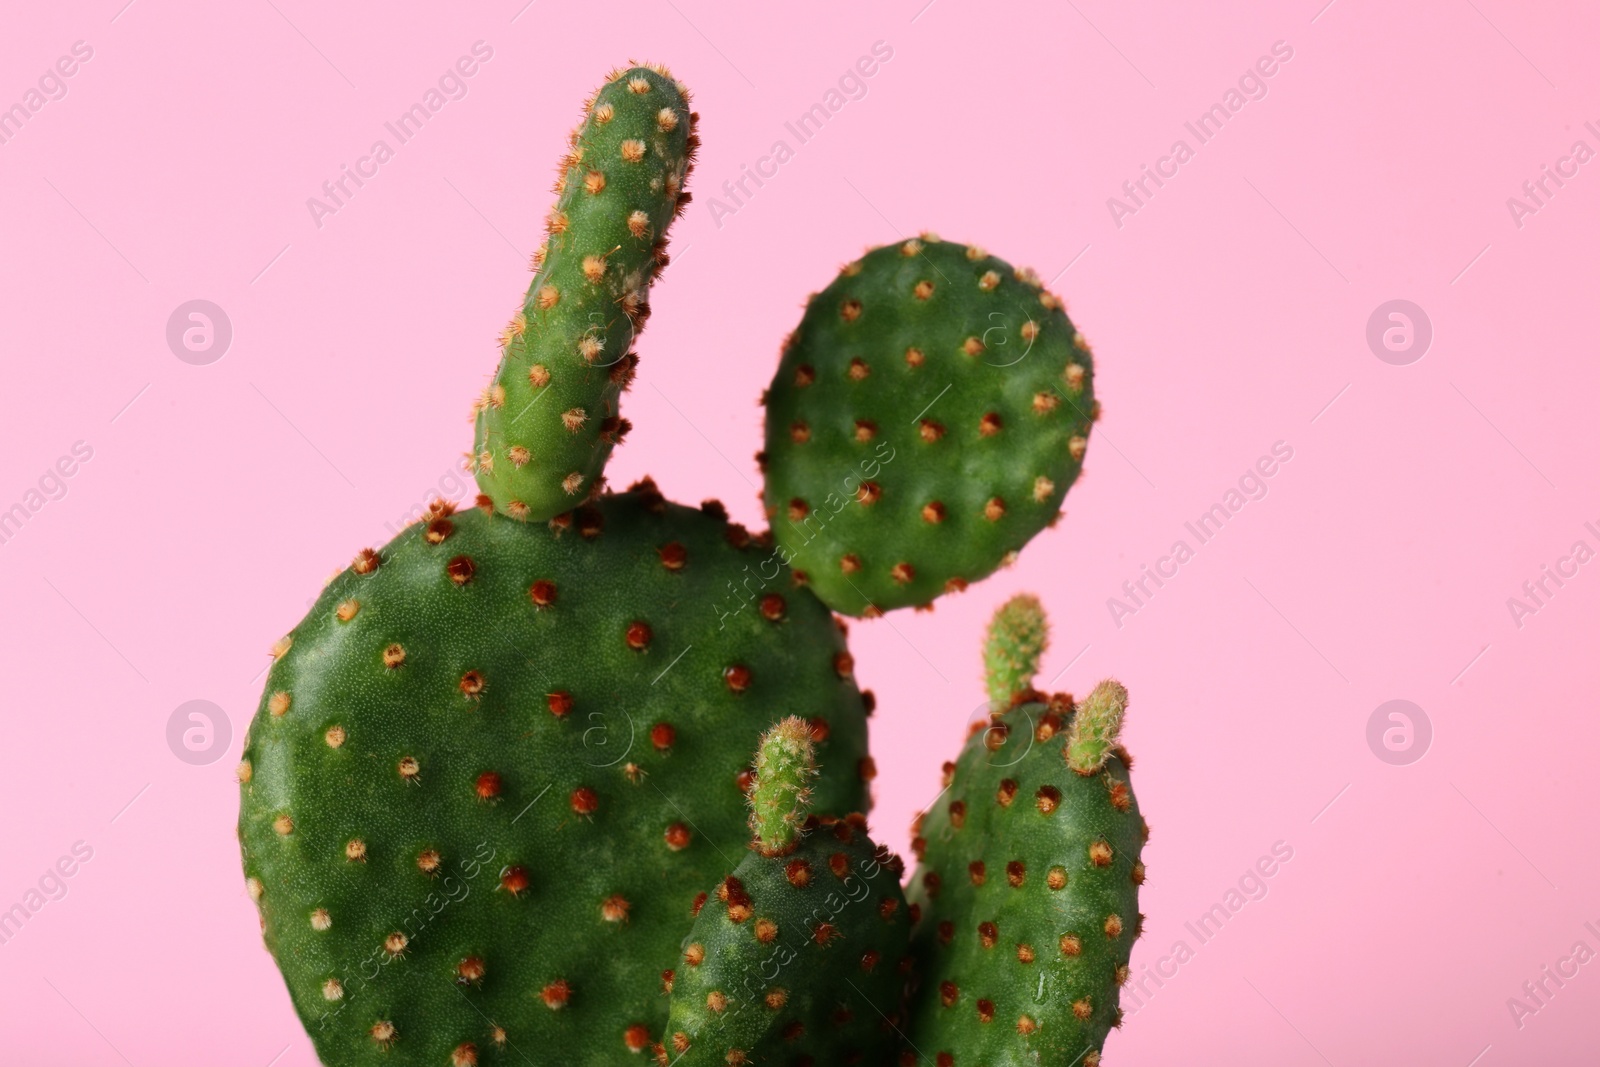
point(1093, 735)
point(490, 791)
point(797, 958)
point(780, 796)
point(1028, 882)
point(1018, 636)
point(550, 418)
point(926, 420)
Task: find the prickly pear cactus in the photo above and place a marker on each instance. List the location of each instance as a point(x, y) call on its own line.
point(799, 957)
point(493, 798)
point(1018, 636)
point(1028, 885)
point(496, 764)
point(548, 421)
point(926, 420)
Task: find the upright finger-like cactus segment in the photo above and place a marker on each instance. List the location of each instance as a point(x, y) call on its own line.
point(799, 956)
point(550, 418)
point(1028, 889)
point(1095, 727)
point(781, 796)
point(926, 420)
point(1018, 635)
point(493, 768)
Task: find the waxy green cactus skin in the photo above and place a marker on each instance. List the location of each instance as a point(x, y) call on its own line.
point(1018, 636)
point(1028, 892)
point(536, 742)
point(548, 421)
point(799, 956)
point(926, 420)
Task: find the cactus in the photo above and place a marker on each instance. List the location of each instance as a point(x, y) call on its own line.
point(548, 421)
point(498, 770)
point(926, 420)
point(1028, 881)
point(1095, 727)
point(496, 763)
point(798, 958)
point(1018, 636)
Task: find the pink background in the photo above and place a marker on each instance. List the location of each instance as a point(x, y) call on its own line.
point(1228, 313)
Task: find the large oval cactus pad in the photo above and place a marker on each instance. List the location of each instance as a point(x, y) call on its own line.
point(496, 763)
point(926, 420)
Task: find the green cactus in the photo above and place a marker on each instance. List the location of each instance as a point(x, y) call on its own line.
point(926, 420)
point(548, 421)
point(1095, 727)
point(1018, 636)
point(1028, 885)
point(499, 768)
point(799, 957)
point(780, 797)
point(497, 762)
